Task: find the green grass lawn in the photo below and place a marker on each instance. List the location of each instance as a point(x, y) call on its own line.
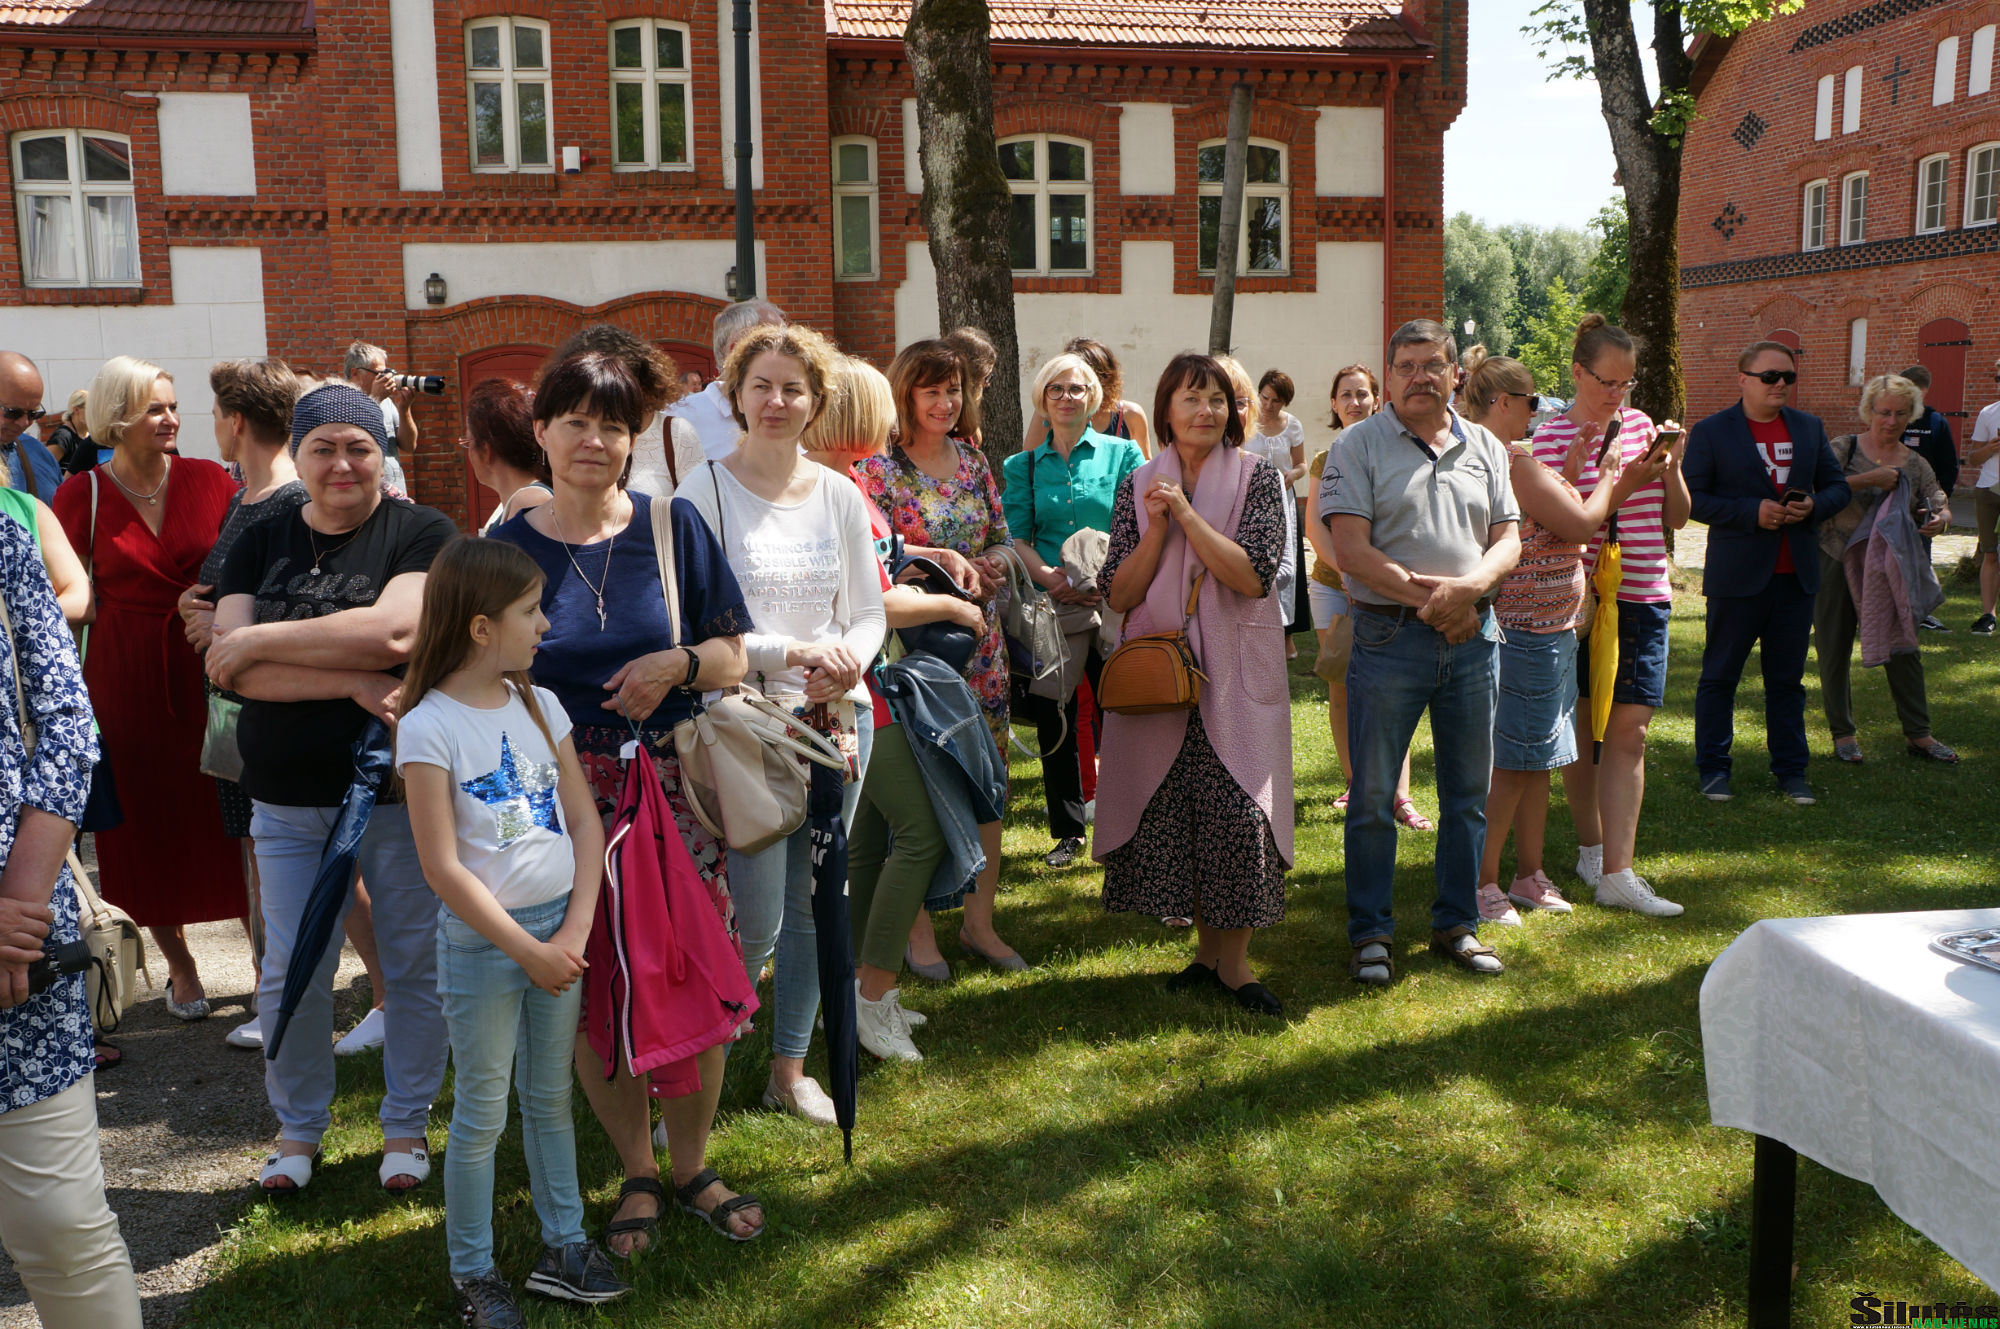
point(1081, 1148)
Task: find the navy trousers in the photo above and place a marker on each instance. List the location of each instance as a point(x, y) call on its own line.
point(1778, 621)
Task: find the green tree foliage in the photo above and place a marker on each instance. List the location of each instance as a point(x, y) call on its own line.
point(1542, 254)
point(1610, 267)
point(1548, 339)
point(1478, 282)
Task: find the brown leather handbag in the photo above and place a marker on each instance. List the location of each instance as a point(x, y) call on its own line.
point(1156, 672)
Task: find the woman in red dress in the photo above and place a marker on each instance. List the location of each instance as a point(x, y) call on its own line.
point(157, 516)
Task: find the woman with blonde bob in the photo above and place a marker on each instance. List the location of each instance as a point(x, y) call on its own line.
point(1063, 485)
point(1873, 462)
point(1538, 604)
point(798, 541)
point(144, 521)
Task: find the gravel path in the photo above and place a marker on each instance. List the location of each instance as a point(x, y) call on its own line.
point(184, 1125)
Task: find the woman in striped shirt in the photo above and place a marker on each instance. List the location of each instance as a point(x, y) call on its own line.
point(1605, 797)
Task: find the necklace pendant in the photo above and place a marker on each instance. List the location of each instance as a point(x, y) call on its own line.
point(315, 571)
point(602, 621)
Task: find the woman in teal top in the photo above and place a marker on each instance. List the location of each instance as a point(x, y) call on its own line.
point(1053, 491)
point(65, 569)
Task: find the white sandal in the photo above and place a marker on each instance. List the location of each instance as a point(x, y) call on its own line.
point(416, 1163)
point(295, 1168)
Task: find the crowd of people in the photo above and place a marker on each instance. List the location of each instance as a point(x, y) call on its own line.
point(830, 538)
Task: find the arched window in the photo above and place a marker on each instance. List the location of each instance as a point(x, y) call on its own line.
point(1813, 231)
point(73, 199)
point(1931, 194)
point(1982, 185)
point(507, 94)
point(1854, 208)
point(1049, 227)
point(1263, 242)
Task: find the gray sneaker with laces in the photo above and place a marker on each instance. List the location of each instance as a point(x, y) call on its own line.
point(579, 1272)
point(486, 1302)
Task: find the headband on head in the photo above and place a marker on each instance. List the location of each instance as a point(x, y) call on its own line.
point(338, 404)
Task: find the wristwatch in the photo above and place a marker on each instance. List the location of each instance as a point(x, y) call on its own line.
point(694, 667)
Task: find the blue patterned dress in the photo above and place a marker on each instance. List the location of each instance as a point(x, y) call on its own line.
point(45, 1043)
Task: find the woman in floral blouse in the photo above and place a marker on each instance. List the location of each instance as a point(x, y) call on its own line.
point(939, 495)
point(54, 1221)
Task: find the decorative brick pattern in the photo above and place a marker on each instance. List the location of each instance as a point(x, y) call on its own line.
point(1749, 130)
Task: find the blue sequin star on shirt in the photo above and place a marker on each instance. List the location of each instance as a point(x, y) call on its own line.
point(521, 793)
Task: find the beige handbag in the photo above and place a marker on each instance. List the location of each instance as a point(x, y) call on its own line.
point(742, 756)
point(1156, 672)
point(117, 949)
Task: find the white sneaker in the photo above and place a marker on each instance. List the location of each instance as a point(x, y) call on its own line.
point(880, 1027)
point(1628, 890)
point(1590, 863)
point(366, 1035)
point(1493, 907)
point(249, 1034)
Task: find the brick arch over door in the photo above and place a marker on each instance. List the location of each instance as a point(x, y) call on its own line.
point(507, 336)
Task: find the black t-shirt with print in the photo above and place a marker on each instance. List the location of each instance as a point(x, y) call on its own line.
point(298, 753)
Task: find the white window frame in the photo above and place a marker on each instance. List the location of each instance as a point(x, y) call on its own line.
point(1936, 190)
point(1857, 352)
point(78, 191)
point(652, 78)
point(1974, 214)
point(1979, 69)
point(1853, 228)
point(871, 190)
point(510, 81)
point(1812, 230)
point(1042, 189)
point(1850, 102)
point(1944, 76)
point(1823, 109)
point(1282, 191)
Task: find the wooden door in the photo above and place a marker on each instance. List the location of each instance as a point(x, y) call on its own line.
point(518, 363)
point(1941, 347)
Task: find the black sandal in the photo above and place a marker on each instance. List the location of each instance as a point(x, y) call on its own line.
point(105, 1054)
point(645, 1226)
point(1257, 999)
point(718, 1217)
point(1196, 977)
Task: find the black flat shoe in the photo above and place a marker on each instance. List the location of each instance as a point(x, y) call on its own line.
point(1257, 999)
point(1196, 977)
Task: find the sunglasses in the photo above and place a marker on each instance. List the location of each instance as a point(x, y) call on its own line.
point(1534, 400)
point(1773, 377)
point(20, 412)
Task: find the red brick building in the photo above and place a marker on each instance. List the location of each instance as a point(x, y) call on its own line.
point(1841, 192)
point(194, 179)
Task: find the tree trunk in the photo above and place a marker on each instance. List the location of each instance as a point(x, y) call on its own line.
point(966, 199)
point(1229, 230)
point(1649, 165)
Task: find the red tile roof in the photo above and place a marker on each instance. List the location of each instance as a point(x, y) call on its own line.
point(1296, 25)
point(224, 18)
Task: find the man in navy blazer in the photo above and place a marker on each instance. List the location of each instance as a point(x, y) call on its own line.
point(1762, 477)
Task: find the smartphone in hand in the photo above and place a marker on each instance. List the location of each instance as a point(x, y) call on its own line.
point(1669, 434)
point(1793, 494)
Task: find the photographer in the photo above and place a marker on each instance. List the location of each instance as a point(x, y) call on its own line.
point(54, 1221)
point(367, 368)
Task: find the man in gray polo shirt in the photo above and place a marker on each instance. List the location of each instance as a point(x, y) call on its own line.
point(1423, 522)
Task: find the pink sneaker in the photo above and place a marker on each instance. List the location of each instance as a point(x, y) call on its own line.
point(1493, 907)
point(1536, 891)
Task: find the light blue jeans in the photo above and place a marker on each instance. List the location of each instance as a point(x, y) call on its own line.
point(300, 1082)
point(1397, 672)
point(501, 1022)
point(772, 892)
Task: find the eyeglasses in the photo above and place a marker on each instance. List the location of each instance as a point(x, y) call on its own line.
point(1534, 400)
point(1076, 390)
point(1622, 385)
point(1773, 377)
point(20, 412)
point(1428, 369)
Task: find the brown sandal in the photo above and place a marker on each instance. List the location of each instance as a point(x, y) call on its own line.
point(1446, 944)
point(1355, 964)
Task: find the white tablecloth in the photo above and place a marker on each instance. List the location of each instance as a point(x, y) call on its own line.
point(1853, 1042)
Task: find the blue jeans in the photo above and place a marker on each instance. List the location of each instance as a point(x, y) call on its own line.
point(300, 1082)
point(772, 892)
point(1397, 671)
point(501, 1022)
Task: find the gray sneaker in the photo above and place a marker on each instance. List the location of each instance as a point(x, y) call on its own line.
point(1715, 786)
point(578, 1272)
point(486, 1302)
point(1797, 790)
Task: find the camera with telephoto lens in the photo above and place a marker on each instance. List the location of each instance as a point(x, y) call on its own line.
point(430, 384)
point(59, 960)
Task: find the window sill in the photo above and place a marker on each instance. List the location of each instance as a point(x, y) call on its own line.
point(517, 182)
point(665, 177)
point(83, 295)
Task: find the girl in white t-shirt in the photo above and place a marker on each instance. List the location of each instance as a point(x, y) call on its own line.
point(511, 843)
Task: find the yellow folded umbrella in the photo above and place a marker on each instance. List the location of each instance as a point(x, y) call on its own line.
point(1604, 640)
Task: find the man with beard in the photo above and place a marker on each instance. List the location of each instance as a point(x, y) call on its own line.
point(1422, 517)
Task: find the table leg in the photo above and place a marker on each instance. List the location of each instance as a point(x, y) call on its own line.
point(1773, 1191)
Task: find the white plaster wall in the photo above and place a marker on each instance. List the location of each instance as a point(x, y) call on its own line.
point(206, 144)
point(582, 273)
point(1146, 148)
point(1348, 146)
point(217, 314)
point(1306, 334)
point(725, 31)
point(913, 167)
point(413, 67)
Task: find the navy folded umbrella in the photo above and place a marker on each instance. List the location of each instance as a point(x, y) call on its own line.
point(828, 834)
point(374, 754)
